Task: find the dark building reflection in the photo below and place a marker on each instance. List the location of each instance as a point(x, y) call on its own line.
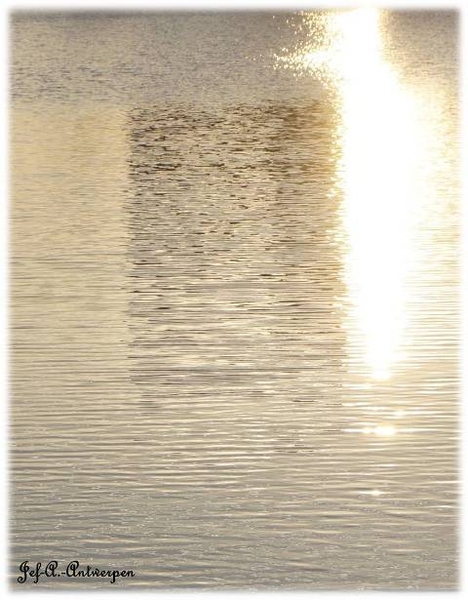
point(235, 276)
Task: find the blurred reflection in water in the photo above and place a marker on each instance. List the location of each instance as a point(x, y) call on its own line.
point(203, 182)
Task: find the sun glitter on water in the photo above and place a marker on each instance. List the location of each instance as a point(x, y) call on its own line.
point(378, 151)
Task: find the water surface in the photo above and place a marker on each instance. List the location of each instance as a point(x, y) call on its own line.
point(234, 298)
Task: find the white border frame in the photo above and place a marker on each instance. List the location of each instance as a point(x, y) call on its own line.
point(269, 5)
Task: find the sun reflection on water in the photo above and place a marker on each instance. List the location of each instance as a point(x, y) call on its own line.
point(381, 430)
point(378, 152)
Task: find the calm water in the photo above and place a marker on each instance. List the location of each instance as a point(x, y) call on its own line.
point(234, 298)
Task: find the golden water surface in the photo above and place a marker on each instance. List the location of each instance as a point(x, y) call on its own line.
point(234, 298)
